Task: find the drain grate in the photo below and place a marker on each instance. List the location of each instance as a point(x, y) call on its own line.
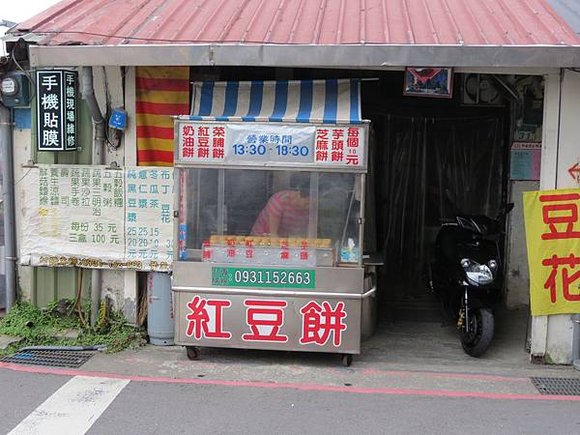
point(52, 358)
point(558, 386)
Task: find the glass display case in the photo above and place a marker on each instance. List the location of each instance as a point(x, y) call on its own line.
point(273, 218)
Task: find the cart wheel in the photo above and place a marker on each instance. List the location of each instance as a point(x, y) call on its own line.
point(346, 360)
point(192, 352)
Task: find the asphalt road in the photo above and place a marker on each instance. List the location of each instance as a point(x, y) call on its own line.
point(46, 403)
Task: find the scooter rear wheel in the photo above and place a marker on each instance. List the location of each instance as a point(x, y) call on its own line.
point(481, 326)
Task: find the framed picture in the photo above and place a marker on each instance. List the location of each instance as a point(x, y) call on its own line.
point(428, 82)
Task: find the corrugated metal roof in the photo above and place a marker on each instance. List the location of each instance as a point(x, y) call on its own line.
point(301, 22)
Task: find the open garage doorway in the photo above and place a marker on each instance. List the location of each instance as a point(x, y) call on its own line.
point(434, 158)
point(432, 166)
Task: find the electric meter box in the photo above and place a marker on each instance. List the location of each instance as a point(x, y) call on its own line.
point(15, 89)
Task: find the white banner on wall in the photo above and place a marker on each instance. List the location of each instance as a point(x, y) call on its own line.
point(90, 216)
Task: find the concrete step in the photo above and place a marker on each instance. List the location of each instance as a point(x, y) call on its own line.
point(416, 309)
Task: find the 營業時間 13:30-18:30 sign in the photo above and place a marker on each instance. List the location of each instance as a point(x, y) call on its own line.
point(267, 145)
point(56, 110)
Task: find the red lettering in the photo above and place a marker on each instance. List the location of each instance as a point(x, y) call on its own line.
point(206, 251)
point(352, 142)
point(322, 133)
point(188, 130)
point(203, 313)
point(218, 153)
point(218, 142)
point(560, 218)
point(337, 133)
point(352, 159)
point(320, 321)
point(265, 318)
point(321, 144)
point(188, 141)
point(321, 156)
point(188, 151)
point(337, 145)
point(219, 131)
point(551, 283)
point(336, 156)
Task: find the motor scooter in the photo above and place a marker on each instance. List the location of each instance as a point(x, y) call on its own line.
point(466, 275)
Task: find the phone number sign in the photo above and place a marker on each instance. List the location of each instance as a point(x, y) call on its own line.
point(260, 277)
point(270, 144)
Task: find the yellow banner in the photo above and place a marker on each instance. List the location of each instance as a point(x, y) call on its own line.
point(553, 239)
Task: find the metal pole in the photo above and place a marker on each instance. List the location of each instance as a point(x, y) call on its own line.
point(576, 341)
point(8, 199)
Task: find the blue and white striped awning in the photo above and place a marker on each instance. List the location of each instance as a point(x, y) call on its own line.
point(305, 101)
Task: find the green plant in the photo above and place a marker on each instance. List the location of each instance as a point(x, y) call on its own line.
point(45, 327)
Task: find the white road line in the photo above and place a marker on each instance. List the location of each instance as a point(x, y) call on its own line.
point(73, 408)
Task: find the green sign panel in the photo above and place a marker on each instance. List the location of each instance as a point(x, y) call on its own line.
point(259, 277)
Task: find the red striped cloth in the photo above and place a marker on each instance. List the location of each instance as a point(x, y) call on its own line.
point(160, 93)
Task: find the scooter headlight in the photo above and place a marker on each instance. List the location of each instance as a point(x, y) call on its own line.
point(477, 274)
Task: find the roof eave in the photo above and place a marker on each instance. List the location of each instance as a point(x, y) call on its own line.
point(321, 56)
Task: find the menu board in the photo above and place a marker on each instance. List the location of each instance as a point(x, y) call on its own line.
point(228, 143)
point(92, 216)
point(149, 216)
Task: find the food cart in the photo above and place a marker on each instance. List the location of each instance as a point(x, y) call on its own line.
point(269, 236)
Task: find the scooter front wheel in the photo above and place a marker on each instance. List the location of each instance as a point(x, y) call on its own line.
point(477, 335)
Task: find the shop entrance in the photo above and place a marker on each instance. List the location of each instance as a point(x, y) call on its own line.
point(430, 158)
point(431, 166)
point(433, 158)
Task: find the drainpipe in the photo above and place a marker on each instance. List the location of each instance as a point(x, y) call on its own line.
point(8, 198)
point(88, 94)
